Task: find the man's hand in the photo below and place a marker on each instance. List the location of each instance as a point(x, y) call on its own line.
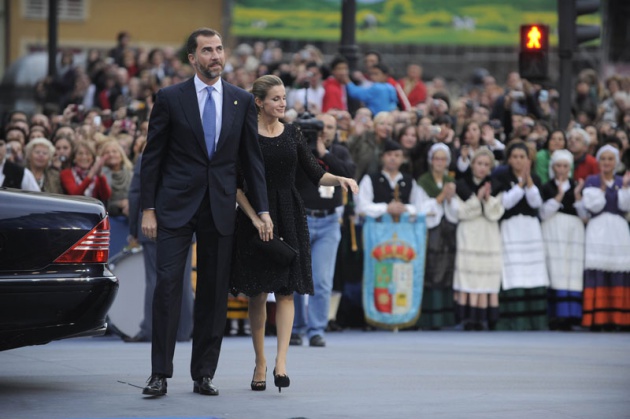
point(321, 147)
point(396, 208)
point(149, 224)
point(266, 230)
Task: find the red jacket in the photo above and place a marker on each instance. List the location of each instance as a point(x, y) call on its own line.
point(101, 191)
point(334, 95)
point(586, 167)
point(418, 93)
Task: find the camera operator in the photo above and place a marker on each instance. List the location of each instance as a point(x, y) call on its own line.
point(310, 82)
point(322, 205)
point(519, 99)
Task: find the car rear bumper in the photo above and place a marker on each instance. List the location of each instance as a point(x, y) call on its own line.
point(36, 310)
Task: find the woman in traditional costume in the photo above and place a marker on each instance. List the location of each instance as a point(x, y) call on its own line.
point(563, 215)
point(607, 258)
point(524, 281)
point(478, 261)
point(439, 205)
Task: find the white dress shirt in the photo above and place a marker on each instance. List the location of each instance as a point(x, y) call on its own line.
point(365, 198)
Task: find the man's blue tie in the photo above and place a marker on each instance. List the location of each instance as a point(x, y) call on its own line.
point(209, 122)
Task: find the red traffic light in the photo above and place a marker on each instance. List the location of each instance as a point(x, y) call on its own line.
point(534, 37)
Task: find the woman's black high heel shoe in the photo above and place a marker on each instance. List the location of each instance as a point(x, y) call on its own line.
point(259, 385)
point(280, 381)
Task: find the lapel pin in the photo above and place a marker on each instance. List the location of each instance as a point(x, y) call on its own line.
point(236, 102)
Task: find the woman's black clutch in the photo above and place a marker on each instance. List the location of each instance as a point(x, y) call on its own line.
point(276, 250)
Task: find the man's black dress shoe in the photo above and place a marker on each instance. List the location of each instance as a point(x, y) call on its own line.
point(156, 386)
point(317, 341)
point(205, 386)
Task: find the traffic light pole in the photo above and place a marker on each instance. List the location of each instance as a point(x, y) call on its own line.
point(571, 35)
point(52, 37)
point(348, 46)
point(566, 82)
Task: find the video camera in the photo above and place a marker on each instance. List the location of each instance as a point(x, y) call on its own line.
point(310, 127)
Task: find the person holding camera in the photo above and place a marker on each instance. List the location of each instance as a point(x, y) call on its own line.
point(254, 273)
point(518, 99)
point(308, 89)
point(321, 205)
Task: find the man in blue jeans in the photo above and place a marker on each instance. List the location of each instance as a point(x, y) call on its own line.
point(321, 205)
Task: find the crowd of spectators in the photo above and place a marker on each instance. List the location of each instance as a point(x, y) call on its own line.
point(94, 120)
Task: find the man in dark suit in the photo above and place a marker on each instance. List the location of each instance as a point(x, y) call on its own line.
point(198, 130)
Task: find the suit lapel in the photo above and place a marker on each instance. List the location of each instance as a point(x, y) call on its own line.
point(230, 104)
point(190, 105)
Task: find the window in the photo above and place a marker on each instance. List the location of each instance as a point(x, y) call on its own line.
point(68, 10)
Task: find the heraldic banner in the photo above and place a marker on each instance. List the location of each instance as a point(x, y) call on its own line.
point(393, 270)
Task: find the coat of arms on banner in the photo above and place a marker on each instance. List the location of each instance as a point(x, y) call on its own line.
point(393, 271)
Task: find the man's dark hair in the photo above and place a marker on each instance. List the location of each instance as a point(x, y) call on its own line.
point(15, 112)
point(374, 52)
point(312, 64)
point(613, 141)
point(443, 120)
point(121, 35)
point(384, 68)
point(191, 44)
point(15, 128)
point(338, 59)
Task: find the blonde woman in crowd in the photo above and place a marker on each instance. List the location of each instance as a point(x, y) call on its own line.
point(562, 215)
point(39, 157)
point(479, 251)
point(118, 171)
point(85, 177)
point(366, 148)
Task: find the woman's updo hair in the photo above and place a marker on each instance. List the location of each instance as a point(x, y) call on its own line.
point(263, 84)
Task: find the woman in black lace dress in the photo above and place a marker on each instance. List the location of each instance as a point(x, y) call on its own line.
point(283, 148)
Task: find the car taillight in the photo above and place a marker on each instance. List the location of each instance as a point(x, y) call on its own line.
point(92, 248)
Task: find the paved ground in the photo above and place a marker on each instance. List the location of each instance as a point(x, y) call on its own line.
point(358, 375)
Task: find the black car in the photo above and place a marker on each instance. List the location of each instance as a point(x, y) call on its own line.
point(54, 278)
